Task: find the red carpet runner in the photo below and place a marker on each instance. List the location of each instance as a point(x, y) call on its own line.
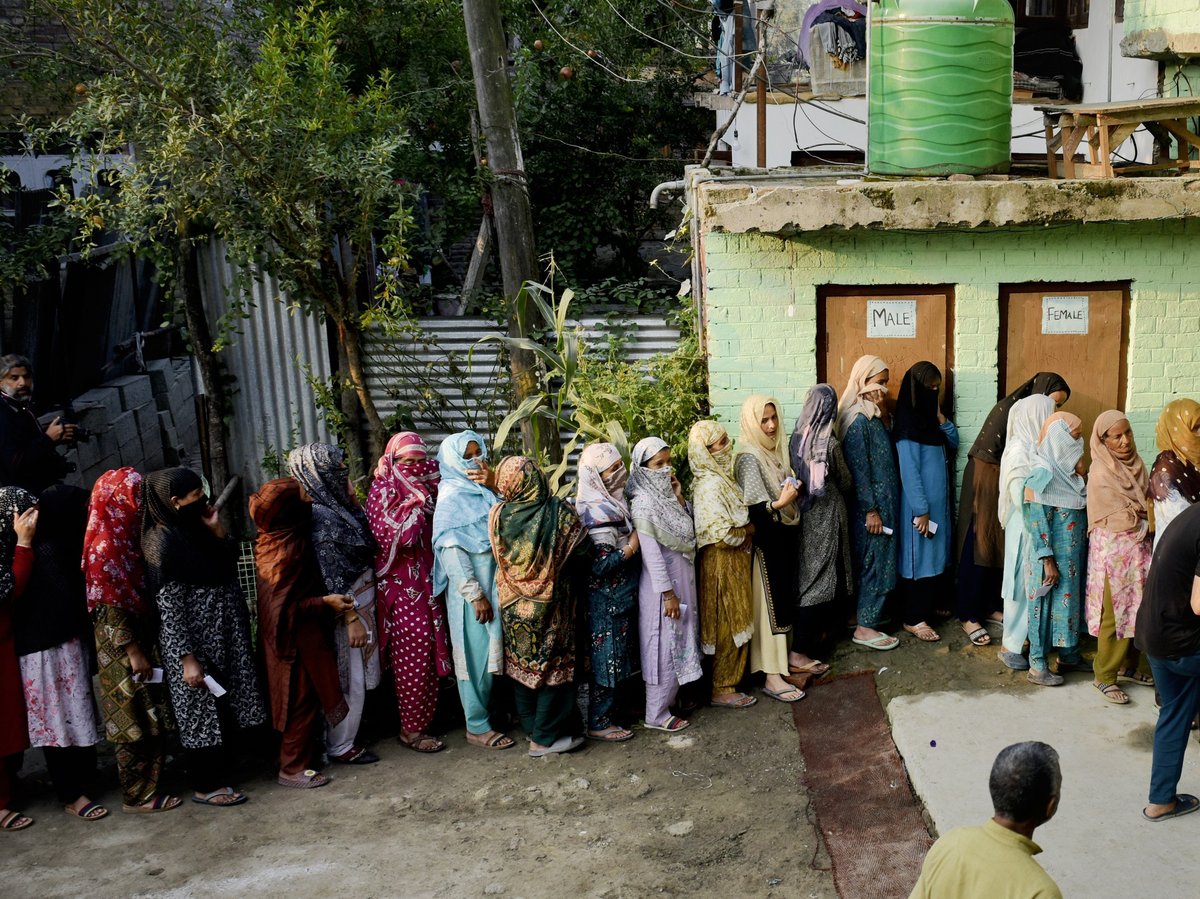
point(865, 810)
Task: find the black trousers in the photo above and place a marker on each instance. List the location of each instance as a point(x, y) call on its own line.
point(72, 770)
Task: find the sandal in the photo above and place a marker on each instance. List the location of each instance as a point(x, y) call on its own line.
point(673, 724)
point(741, 702)
point(1132, 674)
point(221, 798)
point(422, 743)
point(306, 780)
point(923, 632)
point(979, 636)
point(883, 642)
point(780, 694)
point(816, 668)
point(611, 734)
point(356, 755)
point(562, 744)
point(1111, 692)
point(1185, 804)
point(93, 811)
point(15, 821)
point(496, 740)
point(158, 803)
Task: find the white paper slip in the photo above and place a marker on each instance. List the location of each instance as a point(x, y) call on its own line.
point(683, 607)
point(154, 677)
point(1045, 588)
point(933, 527)
point(888, 530)
point(213, 687)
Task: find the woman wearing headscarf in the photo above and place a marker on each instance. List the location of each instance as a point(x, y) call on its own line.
point(1119, 550)
point(875, 500)
point(668, 625)
point(1025, 422)
point(464, 570)
point(925, 446)
point(54, 645)
point(341, 537)
point(612, 586)
point(412, 623)
point(191, 571)
point(723, 565)
point(137, 716)
point(295, 630)
point(1056, 532)
point(824, 578)
point(980, 531)
point(768, 487)
point(542, 553)
point(18, 524)
point(1175, 476)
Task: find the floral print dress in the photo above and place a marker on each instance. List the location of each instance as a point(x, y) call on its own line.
point(1054, 618)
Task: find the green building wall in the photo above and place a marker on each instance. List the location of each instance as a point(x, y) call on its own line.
point(761, 305)
point(1173, 16)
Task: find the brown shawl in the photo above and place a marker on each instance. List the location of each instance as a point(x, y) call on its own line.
point(293, 623)
point(1118, 489)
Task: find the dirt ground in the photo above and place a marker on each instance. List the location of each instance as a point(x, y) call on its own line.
point(718, 810)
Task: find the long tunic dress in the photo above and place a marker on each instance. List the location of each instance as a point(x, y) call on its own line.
point(670, 647)
point(824, 573)
point(1054, 619)
point(14, 731)
point(478, 649)
point(612, 627)
point(1013, 587)
point(925, 490)
point(872, 463)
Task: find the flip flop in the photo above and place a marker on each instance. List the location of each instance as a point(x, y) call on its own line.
point(673, 724)
point(497, 741)
point(883, 642)
point(782, 693)
point(306, 780)
point(980, 637)
point(816, 668)
point(158, 803)
point(618, 735)
point(1109, 691)
point(918, 630)
point(562, 744)
point(743, 701)
point(209, 798)
point(15, 821)
point(1185, 804)
point(85, 813)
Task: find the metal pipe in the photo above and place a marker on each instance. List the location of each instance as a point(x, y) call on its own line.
point(665, 186)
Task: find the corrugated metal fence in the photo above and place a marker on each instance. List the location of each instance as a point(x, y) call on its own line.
point(434, 376)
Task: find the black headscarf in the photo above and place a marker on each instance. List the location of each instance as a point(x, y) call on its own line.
point(989, 445)
point(176, 548)
point(917, 406)
point(13, 501)
point(57, 607)
point(341, 533)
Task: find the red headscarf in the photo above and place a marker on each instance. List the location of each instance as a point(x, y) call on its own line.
point(402, 496)
point(112, 555)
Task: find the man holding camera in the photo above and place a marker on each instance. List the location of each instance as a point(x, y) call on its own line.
point(28, 454)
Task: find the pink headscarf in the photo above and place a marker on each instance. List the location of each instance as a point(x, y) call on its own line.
point(402, 496)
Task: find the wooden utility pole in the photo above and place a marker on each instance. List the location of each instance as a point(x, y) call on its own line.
point(510, 194)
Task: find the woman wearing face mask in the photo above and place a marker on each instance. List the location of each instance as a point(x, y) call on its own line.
point(345, 549)
point(925, 444)
point(1119, 550)
point(765, 479)
point(875, 499)
point(723, 532)
point(411, 620)
point(612, 586)
point(668, 626)
point(1175, 476)
point(464, 570)
point(204, 628)
point(1056, 533)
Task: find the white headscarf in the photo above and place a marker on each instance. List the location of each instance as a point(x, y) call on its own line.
point(656, 511)
point(604, 512)
point(857, 397)
point(1024, 429)
point(1054, 481)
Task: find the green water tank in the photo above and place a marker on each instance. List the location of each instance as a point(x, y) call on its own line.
point(939, 87)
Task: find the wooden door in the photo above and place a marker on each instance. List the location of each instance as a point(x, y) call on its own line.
point(1080, 331)
point(902, 326)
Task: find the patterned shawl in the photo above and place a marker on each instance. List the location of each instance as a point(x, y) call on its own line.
point(604, 512)
point(1054, 481)
point(1020, 446)
point(1118, 489)
point(340, 531)
point(989, 445)
point(917, 407)
point(532, 533)
point(176, 549)
point(1176, 467)
point(112, 554)
point(859, 397)
point(652, 502)
point(404, 490)
point(460, 517)
point(811, 440)
point(13, 501)
point(769, 452)
point(716, 498)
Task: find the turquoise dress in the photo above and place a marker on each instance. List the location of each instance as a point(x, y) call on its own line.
point(869, 455)
point(925, 490)
point(1054, 619)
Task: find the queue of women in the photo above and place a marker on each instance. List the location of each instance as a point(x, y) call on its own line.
point(458, 568)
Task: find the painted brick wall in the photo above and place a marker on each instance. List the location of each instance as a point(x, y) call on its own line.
point(1174, 16)
point(761, 305)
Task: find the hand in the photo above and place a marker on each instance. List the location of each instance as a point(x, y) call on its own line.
point(357, 632)
point(921, 523)
point(670, 605)
point(678, 488)
point(941, 417)
point(633, 546)
point(748, 531)
point(483, 475)
point(138, 663)
point(874, 523)
point(193, 672)
point(1050, 576)
point(339, 602)
point(788, 494)
point(61, 433)
point(25, 525)
point(483, 610)
point(211, 519)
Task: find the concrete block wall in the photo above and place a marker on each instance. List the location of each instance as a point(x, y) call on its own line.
point(761, 305)
point(1175, 16)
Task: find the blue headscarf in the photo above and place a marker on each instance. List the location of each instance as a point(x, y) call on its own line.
point(460, 517)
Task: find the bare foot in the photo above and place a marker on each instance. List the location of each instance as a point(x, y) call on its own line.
point(867, 633)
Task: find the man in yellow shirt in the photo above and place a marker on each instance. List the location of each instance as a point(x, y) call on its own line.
point(995, 861)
